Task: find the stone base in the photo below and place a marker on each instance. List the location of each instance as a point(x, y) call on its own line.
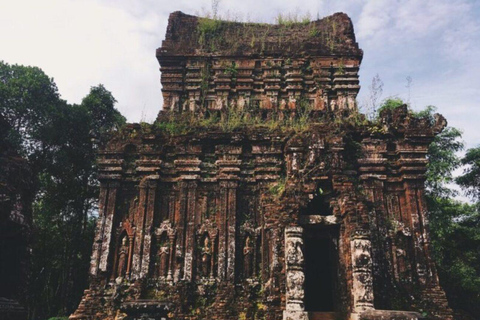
point(389, 315)
point(295, 315)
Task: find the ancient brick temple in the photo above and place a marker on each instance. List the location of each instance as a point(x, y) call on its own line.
point(260, 192)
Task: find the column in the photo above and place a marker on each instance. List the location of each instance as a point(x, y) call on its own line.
point(97, 243)
point(106, 237)
point(231, 228)
point(417, 234)
point(147, 238)
point(190, 230)
point(432, 270)
point(180, 208)
point(222, 236)
point(130, 253)
point(139, 221)
point(362, 264)
point(295, 277)
point(171, 256)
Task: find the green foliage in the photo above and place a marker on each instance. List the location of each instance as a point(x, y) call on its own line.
point(289, 19)
point(302, 120)
point(231, 70)
point(456, 245)
point(314, 32)
point(233, 118)
point(341, 67)
point(176, 124)
point(59, 143)
point(442, 161)
point(454, 226)
point(68, 189)
point(390, 104)
point(14, 171)
point(442, 152)
point(427, 113)
point(28, 97)
point(352, 151)
point(209, 31)
point(99, 105)
point(470, 180)
point(277, 189)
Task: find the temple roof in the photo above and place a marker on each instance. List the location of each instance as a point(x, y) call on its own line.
point(194, 36)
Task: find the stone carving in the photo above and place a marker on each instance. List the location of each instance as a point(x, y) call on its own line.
point(122, 257)
point(295, 276)
point(402, 246)
point(294, 254)
point(164, 254)
point(248, 258)
point(362, 273)
point(207, 233)
point(295, 282)
point(165, 236)
point(206, 257)
point(166, 227)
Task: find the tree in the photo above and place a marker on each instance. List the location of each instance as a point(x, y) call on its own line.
point(15, 197)
point(443, 160)
point(28, 97)
point(470, 180)
point(99, 105)
point(456, 245)
point(59, 143)
point(67, 200)
point(454, 226)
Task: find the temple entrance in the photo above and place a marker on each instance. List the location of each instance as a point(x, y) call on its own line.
point(321, 260)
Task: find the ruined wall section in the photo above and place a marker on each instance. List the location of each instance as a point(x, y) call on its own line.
point(392, 171)
point(203, 217)
point(172, 193)
point(212, 65)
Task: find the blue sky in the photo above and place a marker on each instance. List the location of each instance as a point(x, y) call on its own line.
point(83, 43)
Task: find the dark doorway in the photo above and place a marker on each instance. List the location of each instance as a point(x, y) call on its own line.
point(320, 203)
point(320, 271)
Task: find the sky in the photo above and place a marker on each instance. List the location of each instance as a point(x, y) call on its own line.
point(81, 43)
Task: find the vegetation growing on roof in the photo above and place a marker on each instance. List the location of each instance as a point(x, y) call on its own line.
point(229, 37)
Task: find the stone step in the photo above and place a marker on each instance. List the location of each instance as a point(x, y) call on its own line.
point(314, 315)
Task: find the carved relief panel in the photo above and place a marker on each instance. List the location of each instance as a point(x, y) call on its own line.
point(207, 250)
point(165, 240)
point(362, 273)
point(124, 250)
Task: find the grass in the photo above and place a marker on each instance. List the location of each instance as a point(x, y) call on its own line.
point(222, 33)
point(234, 119)
point(253, 117)
point(289, 19)
point(277, 189)
point(208, 30)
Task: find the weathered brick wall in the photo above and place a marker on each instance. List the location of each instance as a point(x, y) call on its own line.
point(258, 66)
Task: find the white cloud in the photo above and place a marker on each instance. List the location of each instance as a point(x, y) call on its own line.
point(83, 43)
